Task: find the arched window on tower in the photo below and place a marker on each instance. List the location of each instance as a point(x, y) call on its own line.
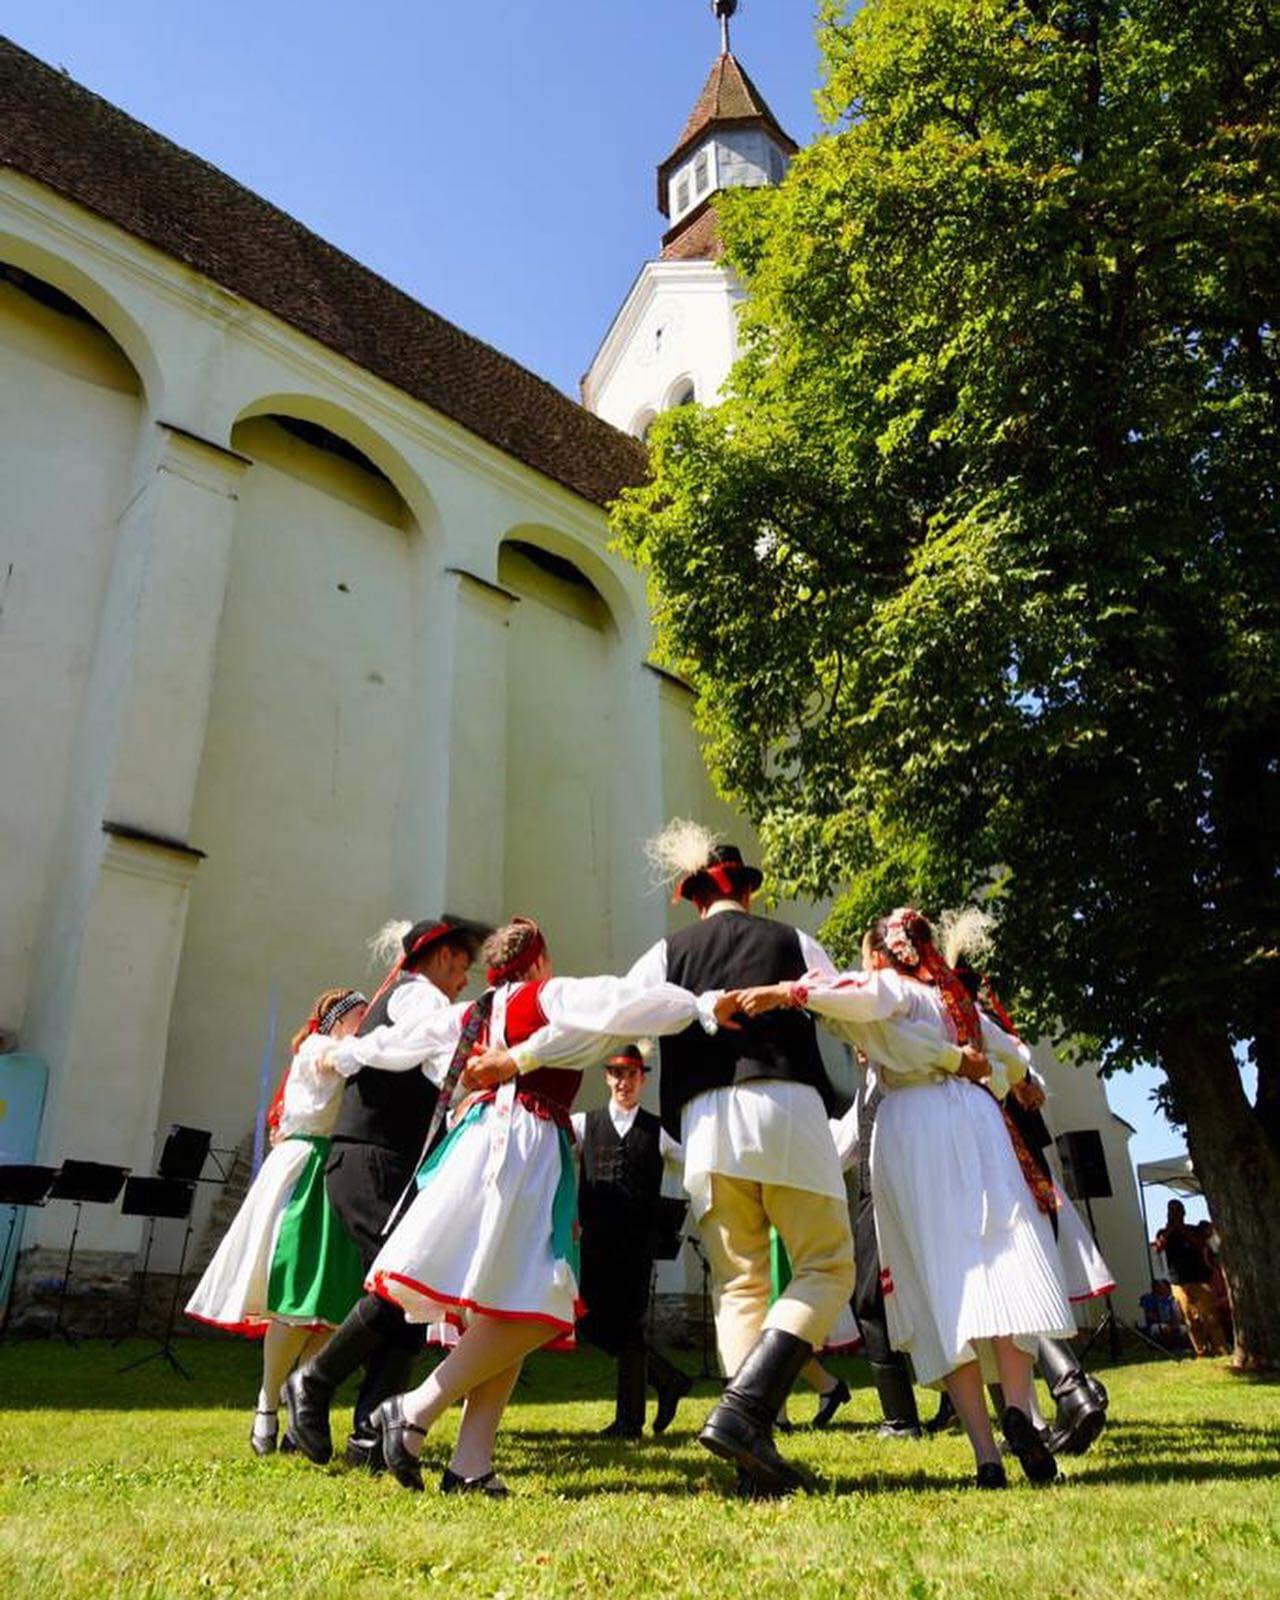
point(682, 393)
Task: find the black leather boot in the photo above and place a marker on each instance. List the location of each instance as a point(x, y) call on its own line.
point(740, 1428)
point(1081, 1399)
point(897, 1400)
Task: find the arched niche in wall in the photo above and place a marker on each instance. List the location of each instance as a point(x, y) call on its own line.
point(72, 410)
point(308, 770)
point(564, 749)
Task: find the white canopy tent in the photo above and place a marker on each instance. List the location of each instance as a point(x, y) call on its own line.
point(1174, 1172)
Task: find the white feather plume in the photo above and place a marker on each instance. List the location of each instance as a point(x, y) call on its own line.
point(682, 847)
point(387, 945)
point(966, 934)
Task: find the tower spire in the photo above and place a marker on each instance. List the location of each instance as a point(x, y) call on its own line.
point(724, 9)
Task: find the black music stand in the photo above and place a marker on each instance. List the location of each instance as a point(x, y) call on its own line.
point(154, 1199)
point(20, 1187)
point(667, 1241)
point(695, 1244)
point(83, 1183)
point(184, 1154)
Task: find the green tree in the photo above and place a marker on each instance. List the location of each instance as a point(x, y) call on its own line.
point(976, 569)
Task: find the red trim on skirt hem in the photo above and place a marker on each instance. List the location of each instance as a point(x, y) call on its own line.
point(377, 1283)
point(256, 1327)
point(1093, 1294)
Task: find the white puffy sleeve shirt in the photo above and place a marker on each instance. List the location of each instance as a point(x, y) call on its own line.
point(892, 1019)
point(311, 1097)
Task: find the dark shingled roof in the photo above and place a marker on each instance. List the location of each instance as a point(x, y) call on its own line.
point(728, 99)
point(54, 131)
point(695, 237)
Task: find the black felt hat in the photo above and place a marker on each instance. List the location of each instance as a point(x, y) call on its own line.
point(629, 1056)
point(725, 870)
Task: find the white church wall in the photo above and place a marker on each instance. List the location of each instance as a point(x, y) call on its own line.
point(562, 750)
point(148, 988)
point(302, 777)
point(679, 322)
point(62, 381)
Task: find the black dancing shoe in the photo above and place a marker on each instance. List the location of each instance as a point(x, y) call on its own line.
point(307, 1402)
point(944, 1418)
point(263, 1444)
point(990, 1476)
point(830, 1403)
point(287, 1446)
point(363, 1451)
point(1028, 1444)
point(670, 1394)
point(619, 1430)
point(389, 1420)
point(488, 1484)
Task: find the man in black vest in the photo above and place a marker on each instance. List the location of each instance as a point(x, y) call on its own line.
point(376, 1146)
point(623, 1152)
point(749, 1104)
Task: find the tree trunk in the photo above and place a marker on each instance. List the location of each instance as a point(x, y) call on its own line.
point(1240, 1173)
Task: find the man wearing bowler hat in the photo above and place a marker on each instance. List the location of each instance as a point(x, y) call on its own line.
point(623, 1149)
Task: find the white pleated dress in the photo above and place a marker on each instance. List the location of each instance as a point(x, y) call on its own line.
point(965, 1254)
point(306, 1274)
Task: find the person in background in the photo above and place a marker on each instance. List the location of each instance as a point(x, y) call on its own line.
point(623, 1152)
point(1218, 1282)
point(1192, 1276)
point(1161, 1318)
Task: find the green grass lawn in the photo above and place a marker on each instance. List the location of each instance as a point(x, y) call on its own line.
point(143, 1485)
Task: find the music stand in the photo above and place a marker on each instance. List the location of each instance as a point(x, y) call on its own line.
point(695, 1245)
point(156, 1198)
point(83, 1183)
point(667, 1241)
point(20, 1186)
point(184, 1153)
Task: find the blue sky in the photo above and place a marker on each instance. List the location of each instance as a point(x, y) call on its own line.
point(496, 160)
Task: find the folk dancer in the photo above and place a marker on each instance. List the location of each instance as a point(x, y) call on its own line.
point(385, 1113)
point(750, 1108)
point(972, 1278)
point(286, 1271)
point(489, 1242)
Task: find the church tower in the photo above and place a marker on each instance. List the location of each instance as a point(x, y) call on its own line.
point(676, 336)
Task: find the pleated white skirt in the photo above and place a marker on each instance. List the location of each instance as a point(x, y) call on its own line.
point(965, 1255)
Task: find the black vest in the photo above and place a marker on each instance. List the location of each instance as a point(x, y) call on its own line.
point(621, 1178)
point(389, 1109)
point(734, 950)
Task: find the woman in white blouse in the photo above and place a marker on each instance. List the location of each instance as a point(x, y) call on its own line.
point(971, 1273)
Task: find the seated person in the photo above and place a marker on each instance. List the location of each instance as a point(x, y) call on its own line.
point(1161, 1319)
